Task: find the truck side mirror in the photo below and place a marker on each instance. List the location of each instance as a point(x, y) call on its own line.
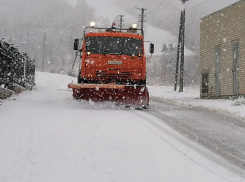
point(151, 48)
point(76, 44)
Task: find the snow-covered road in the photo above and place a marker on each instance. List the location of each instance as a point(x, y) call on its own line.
point(222, 134)
point(46, 136)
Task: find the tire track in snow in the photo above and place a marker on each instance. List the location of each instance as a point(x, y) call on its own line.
point(138, 114)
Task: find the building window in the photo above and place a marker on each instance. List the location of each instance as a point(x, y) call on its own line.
point(204, 83)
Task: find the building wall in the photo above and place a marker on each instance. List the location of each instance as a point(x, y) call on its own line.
point(223, 28)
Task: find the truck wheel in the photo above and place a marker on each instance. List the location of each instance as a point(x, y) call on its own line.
point(142, 107)
point(79, 79)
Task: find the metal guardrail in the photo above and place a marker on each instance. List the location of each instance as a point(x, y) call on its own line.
point(16, 69)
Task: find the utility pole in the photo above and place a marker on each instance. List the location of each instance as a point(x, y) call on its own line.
point(142, 20)
point(51, 58)
point(24, 77)
point(181, 50)
point(121, 22)
point(178, 55)
point(28, 51)
point(182, 59)
point(44, 43)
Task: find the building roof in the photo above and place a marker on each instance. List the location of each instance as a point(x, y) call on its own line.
point(233, 4)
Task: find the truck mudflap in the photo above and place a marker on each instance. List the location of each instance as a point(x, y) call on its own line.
point(119, 94)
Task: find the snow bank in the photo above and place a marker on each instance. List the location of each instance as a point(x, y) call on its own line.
point(191, 97)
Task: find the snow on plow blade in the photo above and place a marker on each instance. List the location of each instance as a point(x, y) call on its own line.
point(119, 94)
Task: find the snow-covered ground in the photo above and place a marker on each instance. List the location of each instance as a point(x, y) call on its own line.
point(47, 136)
point(191, 97)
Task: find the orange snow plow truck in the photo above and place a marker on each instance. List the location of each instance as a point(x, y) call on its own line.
point(112, 67)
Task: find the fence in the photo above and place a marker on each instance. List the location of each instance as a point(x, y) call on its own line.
point(17, 71)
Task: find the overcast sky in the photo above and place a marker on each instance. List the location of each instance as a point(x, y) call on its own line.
point(212, 4)
point(73, 2)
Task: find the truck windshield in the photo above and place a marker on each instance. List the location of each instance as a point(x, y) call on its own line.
point(114, 45)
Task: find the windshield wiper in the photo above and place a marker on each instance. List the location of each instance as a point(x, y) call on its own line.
point(115, 53)
point(111, 53)
point(121, 53)
point(128, 54)
point(97, 52)
point(93, 51)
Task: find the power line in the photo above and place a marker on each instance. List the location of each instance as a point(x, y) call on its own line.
point(155, 8)
point(198, 5)
point(150, 11)
point(180, 11)
point(168, 17)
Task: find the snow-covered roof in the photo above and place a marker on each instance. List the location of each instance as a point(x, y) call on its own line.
point(233, 4)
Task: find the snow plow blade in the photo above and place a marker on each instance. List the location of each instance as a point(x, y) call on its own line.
point(119, 94)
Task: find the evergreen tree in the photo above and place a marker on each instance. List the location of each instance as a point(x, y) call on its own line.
point(164, 48)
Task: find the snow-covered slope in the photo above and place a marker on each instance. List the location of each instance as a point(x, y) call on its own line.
point(47, 136)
